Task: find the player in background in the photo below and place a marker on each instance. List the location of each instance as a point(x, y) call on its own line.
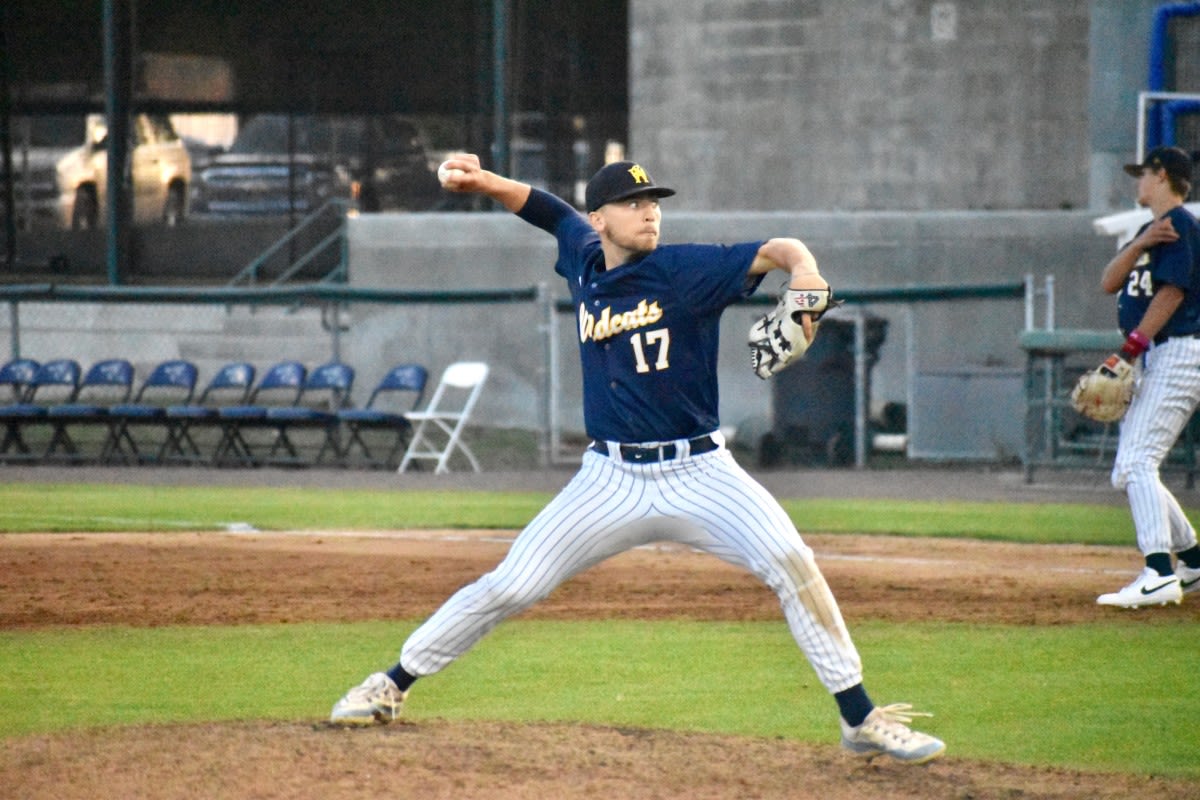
point(1156, 278)
point(648, 322)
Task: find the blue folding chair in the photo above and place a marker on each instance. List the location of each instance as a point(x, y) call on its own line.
point(105, 383)
point(326, 390)
point(231, 385)
point(280, 386)
point(400, 391)
point(17, 375)
point(55, 381)
point(26, 378)
point(170, 382)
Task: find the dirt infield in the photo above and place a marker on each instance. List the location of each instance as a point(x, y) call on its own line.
point(225, 578)
point(500, 761)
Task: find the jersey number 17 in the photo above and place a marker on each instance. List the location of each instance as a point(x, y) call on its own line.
point(661, 338)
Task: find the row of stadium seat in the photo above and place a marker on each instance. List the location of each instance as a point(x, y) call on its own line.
point(291, 416)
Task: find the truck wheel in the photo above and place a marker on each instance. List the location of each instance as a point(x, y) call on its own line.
point(173, 211)
point(86, 211)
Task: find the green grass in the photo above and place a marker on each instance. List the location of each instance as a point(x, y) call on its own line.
point(87, 507)
point(98, 507)
point(1074, 696)
point(1100, 696)
point(1058, 523)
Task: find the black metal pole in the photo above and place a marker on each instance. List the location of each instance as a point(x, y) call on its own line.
point(10, 210)
point(500, 86)
point(118, 75)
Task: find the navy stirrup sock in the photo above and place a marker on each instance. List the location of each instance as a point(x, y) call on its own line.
point(1160, 563)
point(854, 705)
point(402, 679)
point(1191, 556)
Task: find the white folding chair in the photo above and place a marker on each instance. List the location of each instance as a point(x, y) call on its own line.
point(461, 380)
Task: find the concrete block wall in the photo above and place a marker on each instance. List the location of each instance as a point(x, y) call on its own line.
point(887, 104)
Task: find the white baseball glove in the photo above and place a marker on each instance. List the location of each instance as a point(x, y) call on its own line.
point(778, 338)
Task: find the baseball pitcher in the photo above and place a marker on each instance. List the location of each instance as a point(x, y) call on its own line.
point(657, 468)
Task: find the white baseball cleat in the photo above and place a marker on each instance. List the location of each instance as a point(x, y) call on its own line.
point(1148, 589)
point(375, 700)
point(1189, 579)
point(885, 731)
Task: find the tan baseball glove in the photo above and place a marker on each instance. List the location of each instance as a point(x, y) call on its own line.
point(1104, 393)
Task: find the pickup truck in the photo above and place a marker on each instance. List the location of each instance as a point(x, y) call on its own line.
point(60, 167)
point(160, 168)
point(38, 142)
point(280, 165)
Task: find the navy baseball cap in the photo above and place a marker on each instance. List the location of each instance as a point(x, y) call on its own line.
point(1175, 161)
point(619, 180)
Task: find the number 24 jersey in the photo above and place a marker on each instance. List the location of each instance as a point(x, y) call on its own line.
point(1176, 263)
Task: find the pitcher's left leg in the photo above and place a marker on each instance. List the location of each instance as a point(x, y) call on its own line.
point(738, 521)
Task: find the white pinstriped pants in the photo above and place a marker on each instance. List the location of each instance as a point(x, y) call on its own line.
point(1168, 390)
point(705, 501)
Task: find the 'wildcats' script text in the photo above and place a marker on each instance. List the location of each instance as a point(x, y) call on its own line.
point(610, 324)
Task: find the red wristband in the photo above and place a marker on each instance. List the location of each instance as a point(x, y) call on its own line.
point(1135, 344)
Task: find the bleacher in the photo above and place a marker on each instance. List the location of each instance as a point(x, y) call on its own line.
point(242, 416)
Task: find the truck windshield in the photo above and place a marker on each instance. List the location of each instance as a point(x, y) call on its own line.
point(268, 134)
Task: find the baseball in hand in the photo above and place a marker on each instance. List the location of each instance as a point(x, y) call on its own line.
point(446, 173)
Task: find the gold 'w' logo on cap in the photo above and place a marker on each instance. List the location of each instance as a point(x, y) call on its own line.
point(639, 174)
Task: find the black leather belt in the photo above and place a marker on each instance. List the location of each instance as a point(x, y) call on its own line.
point(1162, 337)
point(653, 455)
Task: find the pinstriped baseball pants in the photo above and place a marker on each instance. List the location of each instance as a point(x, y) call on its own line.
point(1168, 390)
point(706, 501)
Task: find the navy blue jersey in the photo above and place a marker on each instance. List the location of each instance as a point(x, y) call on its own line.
point(1176, 263)
point(649, 329)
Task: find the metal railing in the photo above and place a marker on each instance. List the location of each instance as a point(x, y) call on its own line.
point(328, 297)
point(331, 298)
point(249, 275)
